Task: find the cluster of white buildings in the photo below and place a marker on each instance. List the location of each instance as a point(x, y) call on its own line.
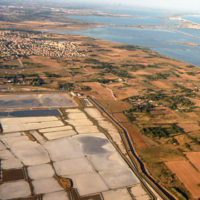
point(13, 43)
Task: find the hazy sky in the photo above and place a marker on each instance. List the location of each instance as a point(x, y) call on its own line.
point(163, 4)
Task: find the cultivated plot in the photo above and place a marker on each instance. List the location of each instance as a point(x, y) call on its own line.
point(188, 175)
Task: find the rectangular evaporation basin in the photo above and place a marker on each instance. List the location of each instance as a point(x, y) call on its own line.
point(4, 114)
point(12, 175)
point(31, 113)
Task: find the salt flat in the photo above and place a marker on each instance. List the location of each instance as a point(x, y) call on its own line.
point(48, 185)
point(62, 149)
point(75, 110)
point(118, 178)
point(139, 193)
point(89, 183)
point(86, 129)
point(54, 129)
point(30, 153)
point(59, 134)
point(94, 113)
point(77, 115)
point(37, 101)
point(6, 154)
point(2, 146)
point(40, 171)
point(107, 161)
point(77, 150)
point(94, 144)
point(16, 189)
point(56, 196)
point(12, 163)
point(78, 122)
point(73, 166)
point(121, 194)
point(28, 123)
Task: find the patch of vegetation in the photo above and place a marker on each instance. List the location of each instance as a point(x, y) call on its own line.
point(50, 75)
point(36, 81)
point(153, 66)
point(173, 141)
point(190, 66)
point(144, 108)
point(162, 131)
point(66, 86)
point(92, 61)
point(188, 146)
point(127, 47)
point(8, 66)
point(104, 65)
point(191, 73)
point(23, 75)
point(187, 91)
point(134, 67)
point(156, 96)
point(86, 88)
point(130, 116)
point(93, 55)
point(121, 73)
point(178, 193)
point(90, 45)
point(157, 76)
point(74, 73)
point(178, 101)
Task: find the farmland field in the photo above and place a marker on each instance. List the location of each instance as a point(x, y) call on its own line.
point(188, 175)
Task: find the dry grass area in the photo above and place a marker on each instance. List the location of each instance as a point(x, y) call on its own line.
point(162, 84)
point(189, 127)
point(100, 91)
point(188, 175)
point(194, 158)
point(120, 117)
point(135, 136)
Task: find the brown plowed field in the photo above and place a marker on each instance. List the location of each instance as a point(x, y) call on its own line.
point(188, 175)
point(189, 127)
point(194, 158)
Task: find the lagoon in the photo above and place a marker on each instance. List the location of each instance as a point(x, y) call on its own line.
point(164, 41)
point(126, 21)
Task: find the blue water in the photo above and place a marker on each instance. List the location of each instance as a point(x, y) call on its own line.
point(160, 40)
point(30, 113)
point(172, 23)
point(195, 19)
point(136, 12)
point(193, 32)
point(120, 20)
point(167, 41)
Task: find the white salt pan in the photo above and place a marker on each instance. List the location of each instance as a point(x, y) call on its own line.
point(17, 189)
point(41, 171)
point(70, 167)
point(56, 196)
point(48, 185)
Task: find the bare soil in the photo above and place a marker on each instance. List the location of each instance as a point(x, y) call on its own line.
point(188, 175)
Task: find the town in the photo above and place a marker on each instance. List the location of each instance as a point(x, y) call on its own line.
point(15, 44)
